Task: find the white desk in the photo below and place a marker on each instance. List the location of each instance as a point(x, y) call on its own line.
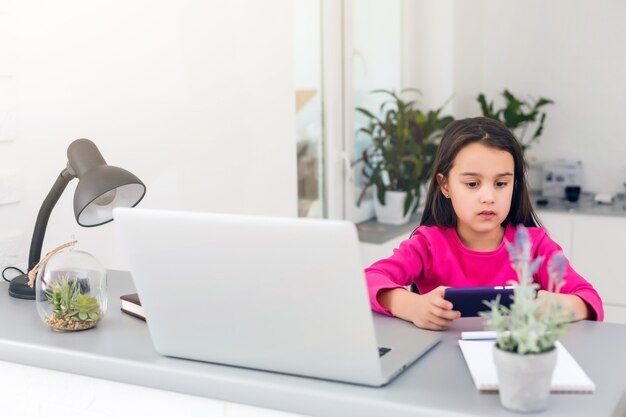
point(439, 384)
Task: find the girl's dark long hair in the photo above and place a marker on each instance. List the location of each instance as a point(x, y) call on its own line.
point(438, 209)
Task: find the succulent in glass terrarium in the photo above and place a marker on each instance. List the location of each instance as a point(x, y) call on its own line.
point(71, 291)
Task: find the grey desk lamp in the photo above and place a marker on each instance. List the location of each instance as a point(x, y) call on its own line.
point(100, 189)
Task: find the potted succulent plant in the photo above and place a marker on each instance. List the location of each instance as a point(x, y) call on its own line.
point(527, 330)
point(71, 309)
point(397, 164)
point(518, 115)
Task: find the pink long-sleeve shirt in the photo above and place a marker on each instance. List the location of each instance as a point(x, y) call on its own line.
point(435, 256)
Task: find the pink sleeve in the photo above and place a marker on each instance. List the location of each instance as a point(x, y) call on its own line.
point(574, 283)
point(399, 270)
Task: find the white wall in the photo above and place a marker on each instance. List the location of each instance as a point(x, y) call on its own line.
point(428, 50)
point(194, 97)
point(571, 51)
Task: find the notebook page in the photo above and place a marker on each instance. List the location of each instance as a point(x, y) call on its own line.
point(568, 376)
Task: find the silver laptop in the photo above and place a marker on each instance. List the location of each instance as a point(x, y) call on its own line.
point(279, 294)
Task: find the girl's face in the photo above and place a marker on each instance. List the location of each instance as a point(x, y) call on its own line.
point(480, 187)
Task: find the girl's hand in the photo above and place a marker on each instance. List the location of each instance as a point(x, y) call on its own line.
point(572, 304)
point(429, 311)
point(432, 311)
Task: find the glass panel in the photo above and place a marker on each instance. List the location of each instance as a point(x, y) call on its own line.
point(308, 85)
point(376, 64)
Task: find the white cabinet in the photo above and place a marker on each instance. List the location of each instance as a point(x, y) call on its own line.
point(595, 245)
point(559, 227)
point(598, 249)
point(372, 252)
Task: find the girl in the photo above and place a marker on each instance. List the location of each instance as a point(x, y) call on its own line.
point(477, 196)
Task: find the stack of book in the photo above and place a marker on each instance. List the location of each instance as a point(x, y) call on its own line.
point(132, 305)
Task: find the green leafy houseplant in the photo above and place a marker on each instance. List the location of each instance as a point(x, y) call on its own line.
point(71, 310)
point(518, 115)
point(404, 143)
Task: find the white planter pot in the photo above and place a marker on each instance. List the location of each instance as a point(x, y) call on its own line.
point(423, 192)
point(392, 211)
point(524, 380)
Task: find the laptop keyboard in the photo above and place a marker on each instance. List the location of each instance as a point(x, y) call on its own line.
point(382, 351)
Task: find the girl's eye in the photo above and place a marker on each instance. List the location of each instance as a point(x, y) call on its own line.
point(501, 184)
point(472, 184)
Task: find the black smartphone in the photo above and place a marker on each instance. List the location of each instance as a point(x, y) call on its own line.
point(469, 300)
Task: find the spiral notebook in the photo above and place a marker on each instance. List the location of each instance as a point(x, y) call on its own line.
point(568, 375)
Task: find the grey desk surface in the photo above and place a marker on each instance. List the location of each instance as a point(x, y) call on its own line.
point(371, 231)
point(439, 384)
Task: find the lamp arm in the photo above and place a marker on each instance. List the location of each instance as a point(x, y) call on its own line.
point(44, 214)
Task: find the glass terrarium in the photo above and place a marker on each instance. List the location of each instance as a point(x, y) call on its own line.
point(71, 291)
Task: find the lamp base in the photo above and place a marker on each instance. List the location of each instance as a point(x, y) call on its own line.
point(18, 288)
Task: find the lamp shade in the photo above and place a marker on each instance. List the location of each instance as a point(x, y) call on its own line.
point(101, 190)
point(101, 187)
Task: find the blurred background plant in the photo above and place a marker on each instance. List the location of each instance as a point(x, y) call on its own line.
point(518, 115)
point(404, 142)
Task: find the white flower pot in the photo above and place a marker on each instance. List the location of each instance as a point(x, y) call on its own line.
point(392, 211)
point(524, 380)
